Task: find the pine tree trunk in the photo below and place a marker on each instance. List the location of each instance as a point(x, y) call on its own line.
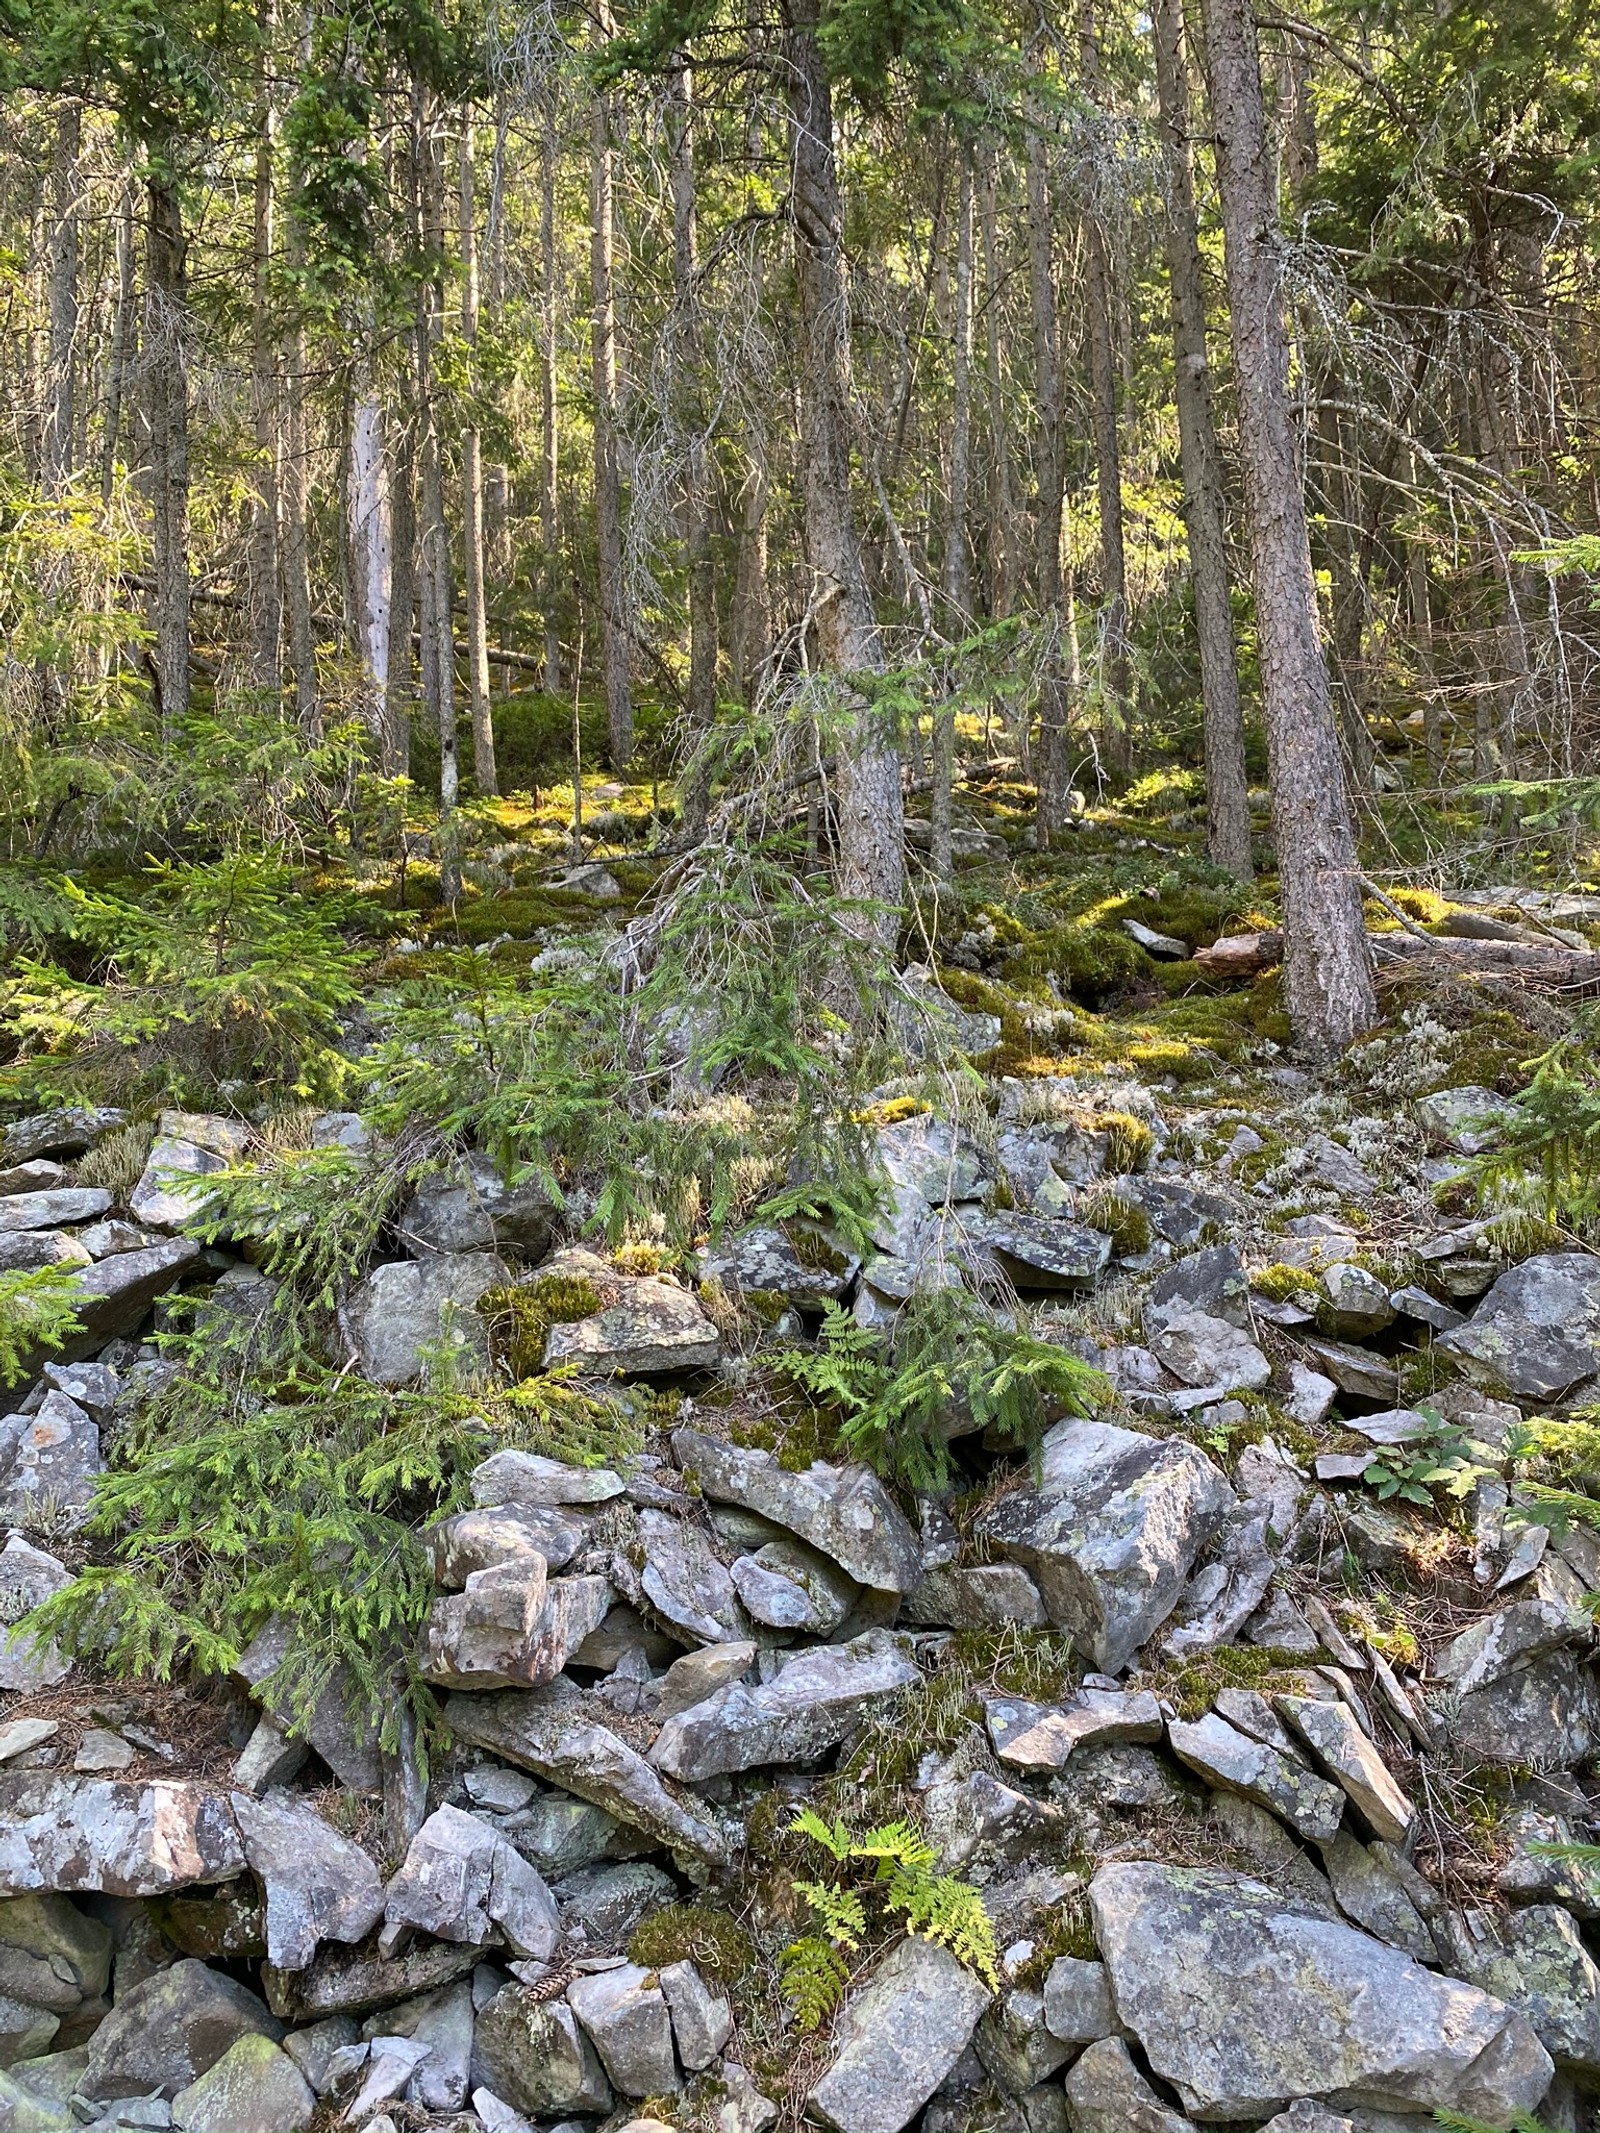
point(1052, 764)
point(1328, 988)
point(1002, 543)
point(400, 682)
point(56, 456)
point(472, 541)
point(1227, 785)
point(266, 604)
point(702, 698)
point(1100, 297)
point(616, 662)
point(549, 440)
point(438, 649)
point(167, 387)
point(750, 631)
point(868, 807)
point(371, 568)
point(957, 575)
point(497, 476)
point(124, 338)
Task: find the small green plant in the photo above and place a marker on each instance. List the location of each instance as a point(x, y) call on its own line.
point(717, 1945)
point(1444, 1458)
point(947, 1352)
point(1551, 1143)
point(899, 1883)
point(38, 1311)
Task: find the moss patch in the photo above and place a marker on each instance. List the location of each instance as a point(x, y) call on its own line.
point(718, 1946)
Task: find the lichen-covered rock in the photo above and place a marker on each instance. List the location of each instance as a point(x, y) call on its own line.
point(653, 1329)
point(625, 2013)
point(28, 1577)
point(1077, 2001)
point(119, 1838)
point(1111, 1531)
point(1244, 2003)
point(403, 1309)
point(1545, 1715)
point(255, 2087)
point(978, 1596)
point(1535, 1960)
point(1105, 2090)
point(483, 1538)
point(702, 2020)
point(345, 1981)
point(65, 1132)
point(1372, 1894)
point(49, 1462)
point(1354, 1764)
point(1536, 1335)
point(898, 2038)
point(819, 1696)
point(1042, 1736)
point(189, 1146)
point(1227, 1758)
point(845, 1512)
point(1468, 1120)
point(679, 1577)
point(1038, 1252)
point(318, 1884)
point(462, 1881)
point(929, 1166)
point(443, 2021)
point(469, 1207)
point(509, 1627)
point(51, 1210)
point(534, 2053)
point(787, 1585)
point(171, 2028)
point(1357, 1301)
point(1511, 1638)
point(810, 1273)
point(530, 1481)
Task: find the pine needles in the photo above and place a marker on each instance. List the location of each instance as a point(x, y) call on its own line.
point(38, 1311)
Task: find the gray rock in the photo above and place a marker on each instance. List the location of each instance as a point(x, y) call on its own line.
point(1469, 1119)
point(1212, 1282)
point(443, 2022)
point(601, 1904)
point(1354, 1764)
point(1106, 2093)
point(1225, 1757)
point(1373, 1896)
point(1531, 1875)
point(37, 1176)
point(697, 1675)
point(557, 1833)
point(1536, 1335)
point(18, 1735)
point(654, 1329)
point(461, 1881)
point(529, 1481)
point(94, 1386)
point(1412, 1302)
point(1244, 2003)
point(255, 2087)
point(1077, 2001)
point(52, 1210)
point(54, 1962)
point(1016, 2046)
point(169, 2030)
point(116, 1837)
point(1202, 1350)
point(482, 1539)
point(683, 1581)
point(1310, 1395)
point(403, 1309)
point(625, 2013)
point(928, 1165)
point(25, 1250)
point(702, 2020)
point(552, 1732)
point(533, 2052)
point(1502, 1643)
point(1358, 1302)
point(509, 1628)
point(844, 1512)
point(318, 1885)
point(787, 1585)
point(50, 1461)
point(1223, 1596)
point(388, 2067)
point(1546, 1715)
point(189, 1145)
point(65, 1132)
point(1038, 1736)
point(28, 1577)
point(981, 1827)
point(346, 1741)
point(312, 2049)
point(1037, 1252)
point(1111, 1532)
point(1178, 1210)
point(898, 2039)
point(1356, 1371)
point(1535, 1960)
point(353, 1981)
point(500, 1791)
point(764, 1257)
point(980, 1596)
point(101, 1240)
point(809, 1708)
point(470, 1208)
point(101, 1750)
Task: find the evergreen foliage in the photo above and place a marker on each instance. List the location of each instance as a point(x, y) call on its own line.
point(38, 1312)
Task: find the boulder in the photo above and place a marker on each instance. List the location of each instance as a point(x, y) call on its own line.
point(1111, 1532)
point(655, 1328)
point(469, 1207)
point(1545, 1715)
point(928, 1165)
point(898, 2038)
point(112, 1297)
point(1077, 2001)
point(1212, 1282)
point(699, 1674)
point(50, 1461)
point(337, 1726)
point(844, 1512)
point(702, 2020)
point(1106, 2093)
point(1536, 1335)
point(1178, 1210)
point(115, 1837)
point(552, 1732)
point(255, 2087)
point(978, 1596)
point(345, 1981)
point(1372, 1893)
point(443, 2022)
point(529, 1481)
point(65, 1132)
point(532, 2052)
point(53, 1958)
point(805, 1269)
point(1038, 1252)
point(1244, 2003)
point(403, 1309)
point(1231, 1760)
point(819, 1697)
point(509, 1628)
point(787, 1585)
point(1041, 1736)
point(499, 1533)
point(1357, 1301)
point(1356, 1371)
point(1535, 1960)
point(1207, 1351)
point(51, 1210)
point(462, 1881)
point(1330, 1731)
point(981, 1826)
point(28, 1577)
point(171, 2028)
point(1467, 1120)
point(1016, 2045)
point(1511, 1638)
point(318, 1885)
point(189, 1145)
point(678, 1576)
point(26, 1250)
point(625, 2013)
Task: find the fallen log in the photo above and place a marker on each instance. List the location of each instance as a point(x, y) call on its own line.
point(1246, 955)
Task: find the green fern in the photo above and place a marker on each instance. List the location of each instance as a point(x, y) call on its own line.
point(833, 1836)
point(840, 1912)
point(813, 1975)
point(1457, 2122)
point(38, 1312)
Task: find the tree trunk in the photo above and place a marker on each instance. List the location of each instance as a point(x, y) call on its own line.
point(1052, 766)
point(868, 809)
point(1328, 988)
point(957, 575)
point(400, 686)
point(438, 648)
point(701, 704)
point(614, 633)
point(166, 371)
point(750, 632)
point(1227, 786)
point(124, 336)
point(371, 566)
point(549, 441)
point(1419, 600)
point(1003, 498)
point(483, 770)
point(56, 456)
point(297, 506)
point(266, 605)
point(497, 476)
point(1100, 297)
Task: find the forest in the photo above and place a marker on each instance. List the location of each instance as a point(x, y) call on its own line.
point(799, 1122)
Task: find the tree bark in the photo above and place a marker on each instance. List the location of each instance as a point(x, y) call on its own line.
point(868, 807)
point(957, 575)
point(1227, 785)
point(614, 630)
point(166, 371)
point(266, 604)
point(701, 703)
point(1328, 988)
point(438, 649)
point(549, 440)
point(472, 540)
point(124, 336)
point(1052, 766)
point(1002, 544)
point(750, 629)
point(371, 563)
point(1100, 300)
point(400, 684)
point(56, 455)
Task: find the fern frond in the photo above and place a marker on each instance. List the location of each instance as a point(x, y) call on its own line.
point(813, 1976)
point(897, 1844)
point(832, 1836)
point(839, 1911)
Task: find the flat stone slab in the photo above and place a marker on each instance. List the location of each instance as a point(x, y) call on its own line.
point(899, 2038)
point(1042, 1736)
point(844, 1512)
point(113, 1837)
point(809, 1708)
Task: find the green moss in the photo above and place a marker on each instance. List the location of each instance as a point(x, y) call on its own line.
point(1283, 1284)
point(813, 1250)
point(1193, 1688)
point(892, 1110)
point(1123, 1220)
point(718, 1946)
point(1129, 1141)
point(1068, 1930)
point(520, 1315)
point(1090, 962)
point(518, 912)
